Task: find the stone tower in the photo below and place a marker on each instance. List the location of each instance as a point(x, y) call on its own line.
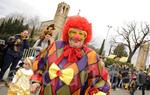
point(142, 56)
point(60, 18)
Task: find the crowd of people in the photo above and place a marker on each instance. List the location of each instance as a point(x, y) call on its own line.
point(123, 76)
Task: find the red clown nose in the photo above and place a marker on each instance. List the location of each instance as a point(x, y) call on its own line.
point(77, 37)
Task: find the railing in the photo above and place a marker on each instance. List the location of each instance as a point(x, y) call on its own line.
point(29, 52)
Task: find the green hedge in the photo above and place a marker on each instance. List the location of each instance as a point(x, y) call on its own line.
point(110, 61)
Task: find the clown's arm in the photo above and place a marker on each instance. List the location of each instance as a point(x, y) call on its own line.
point(39, 67)
point(98, 77)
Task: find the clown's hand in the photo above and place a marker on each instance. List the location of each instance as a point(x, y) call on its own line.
point(34, 88)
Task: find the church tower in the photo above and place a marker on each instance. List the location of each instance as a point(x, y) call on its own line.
point(142, 56)
point(60, 18)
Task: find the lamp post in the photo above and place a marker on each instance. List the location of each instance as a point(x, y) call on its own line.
point(109, 27)
point(102, 48)
point(108, 31)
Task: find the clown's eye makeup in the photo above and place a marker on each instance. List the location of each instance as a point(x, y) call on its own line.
point(73, 32)
point(80, 33)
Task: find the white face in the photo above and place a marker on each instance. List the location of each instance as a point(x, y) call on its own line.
point(47, 37)
point(76, 37)
point(26, 65)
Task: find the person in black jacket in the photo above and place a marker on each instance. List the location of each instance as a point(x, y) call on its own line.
point(14, 50)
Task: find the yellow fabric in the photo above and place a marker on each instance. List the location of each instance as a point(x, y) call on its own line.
point(15, 90)
point(21, 86)
point(66, 74)
point(101, 83)
point(74, 67)
point(18, 73)
point(100, 93)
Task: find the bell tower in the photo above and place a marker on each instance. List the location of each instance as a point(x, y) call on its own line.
point(142, 56)
point(60, 18)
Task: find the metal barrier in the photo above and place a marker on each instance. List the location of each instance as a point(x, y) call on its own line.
point(29, 52)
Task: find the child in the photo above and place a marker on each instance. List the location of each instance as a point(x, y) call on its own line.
point(20, 84)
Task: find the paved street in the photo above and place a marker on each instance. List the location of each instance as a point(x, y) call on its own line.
point(126, 92)
point(3, 91)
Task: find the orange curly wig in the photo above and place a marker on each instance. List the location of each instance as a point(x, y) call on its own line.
point(79, 23)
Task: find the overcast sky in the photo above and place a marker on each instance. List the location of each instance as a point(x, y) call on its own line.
point(100, 13)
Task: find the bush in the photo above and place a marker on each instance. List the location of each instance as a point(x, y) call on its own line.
point(110, 61)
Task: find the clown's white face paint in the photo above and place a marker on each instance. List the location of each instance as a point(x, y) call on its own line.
point(76, 37)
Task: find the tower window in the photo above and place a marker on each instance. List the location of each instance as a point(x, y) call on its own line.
point(64, 9)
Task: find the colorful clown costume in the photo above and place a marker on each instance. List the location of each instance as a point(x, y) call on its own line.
point(88, 74)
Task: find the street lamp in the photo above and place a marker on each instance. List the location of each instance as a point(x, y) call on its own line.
point(102, 48)
point(109, 27)
point(108, 30)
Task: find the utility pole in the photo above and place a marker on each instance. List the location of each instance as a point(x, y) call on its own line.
point(102, 48)
point(109, 27)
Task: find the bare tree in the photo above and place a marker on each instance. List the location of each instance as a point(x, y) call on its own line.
point(34, 24)
point(133, 35)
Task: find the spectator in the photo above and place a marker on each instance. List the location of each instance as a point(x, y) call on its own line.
point(2, 52)
point(15, 47)
point(44, 40)
point(141, 80)
point(20, 84)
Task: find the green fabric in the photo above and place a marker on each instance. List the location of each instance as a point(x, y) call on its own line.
point(83, 77)
point(48, 90)
point(64, 90)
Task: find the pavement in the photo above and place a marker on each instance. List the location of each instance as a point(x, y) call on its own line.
point(3, 91)
point(126, 92)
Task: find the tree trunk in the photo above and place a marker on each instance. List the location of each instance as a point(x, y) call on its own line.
point(131, 55)
point(129, 58)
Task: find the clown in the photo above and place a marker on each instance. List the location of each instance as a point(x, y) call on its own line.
point(69, 67)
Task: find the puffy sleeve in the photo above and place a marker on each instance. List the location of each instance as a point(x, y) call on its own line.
point(17, 76)
point(98, 77)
